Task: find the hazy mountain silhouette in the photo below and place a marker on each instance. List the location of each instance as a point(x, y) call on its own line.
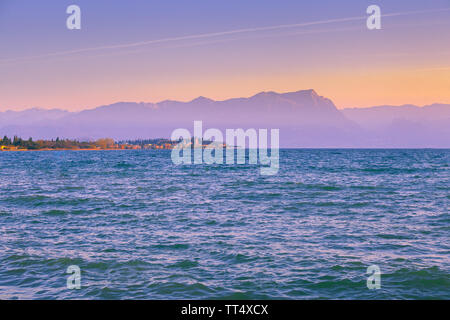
point(30, 116)
point(404, 126)
point(304, 118)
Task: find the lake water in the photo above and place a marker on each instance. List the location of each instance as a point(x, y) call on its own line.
point(140, 227)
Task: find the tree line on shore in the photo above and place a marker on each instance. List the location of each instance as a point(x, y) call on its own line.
point(57, 143)
point(17, 143)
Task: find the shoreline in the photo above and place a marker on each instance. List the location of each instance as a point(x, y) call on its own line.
point(24, 150)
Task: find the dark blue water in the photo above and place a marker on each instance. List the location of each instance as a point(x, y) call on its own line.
point(139, 227)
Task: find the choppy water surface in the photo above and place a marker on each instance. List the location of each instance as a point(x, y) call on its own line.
point(140, 227)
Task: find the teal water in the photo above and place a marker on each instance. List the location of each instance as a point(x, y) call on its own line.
point(141, 228)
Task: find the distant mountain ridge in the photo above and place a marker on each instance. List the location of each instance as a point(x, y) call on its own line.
point(305, 119)
point(381, 115)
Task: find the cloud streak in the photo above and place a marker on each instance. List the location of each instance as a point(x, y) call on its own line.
point(211, 35)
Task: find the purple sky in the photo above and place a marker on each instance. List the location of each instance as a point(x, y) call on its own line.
point(155, 50)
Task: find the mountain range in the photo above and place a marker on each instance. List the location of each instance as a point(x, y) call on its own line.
point(305, 119)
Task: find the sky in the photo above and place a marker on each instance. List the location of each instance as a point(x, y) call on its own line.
point(149, 51)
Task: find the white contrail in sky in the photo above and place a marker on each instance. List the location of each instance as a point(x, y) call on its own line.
point(208, 42)
point(212, 35)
